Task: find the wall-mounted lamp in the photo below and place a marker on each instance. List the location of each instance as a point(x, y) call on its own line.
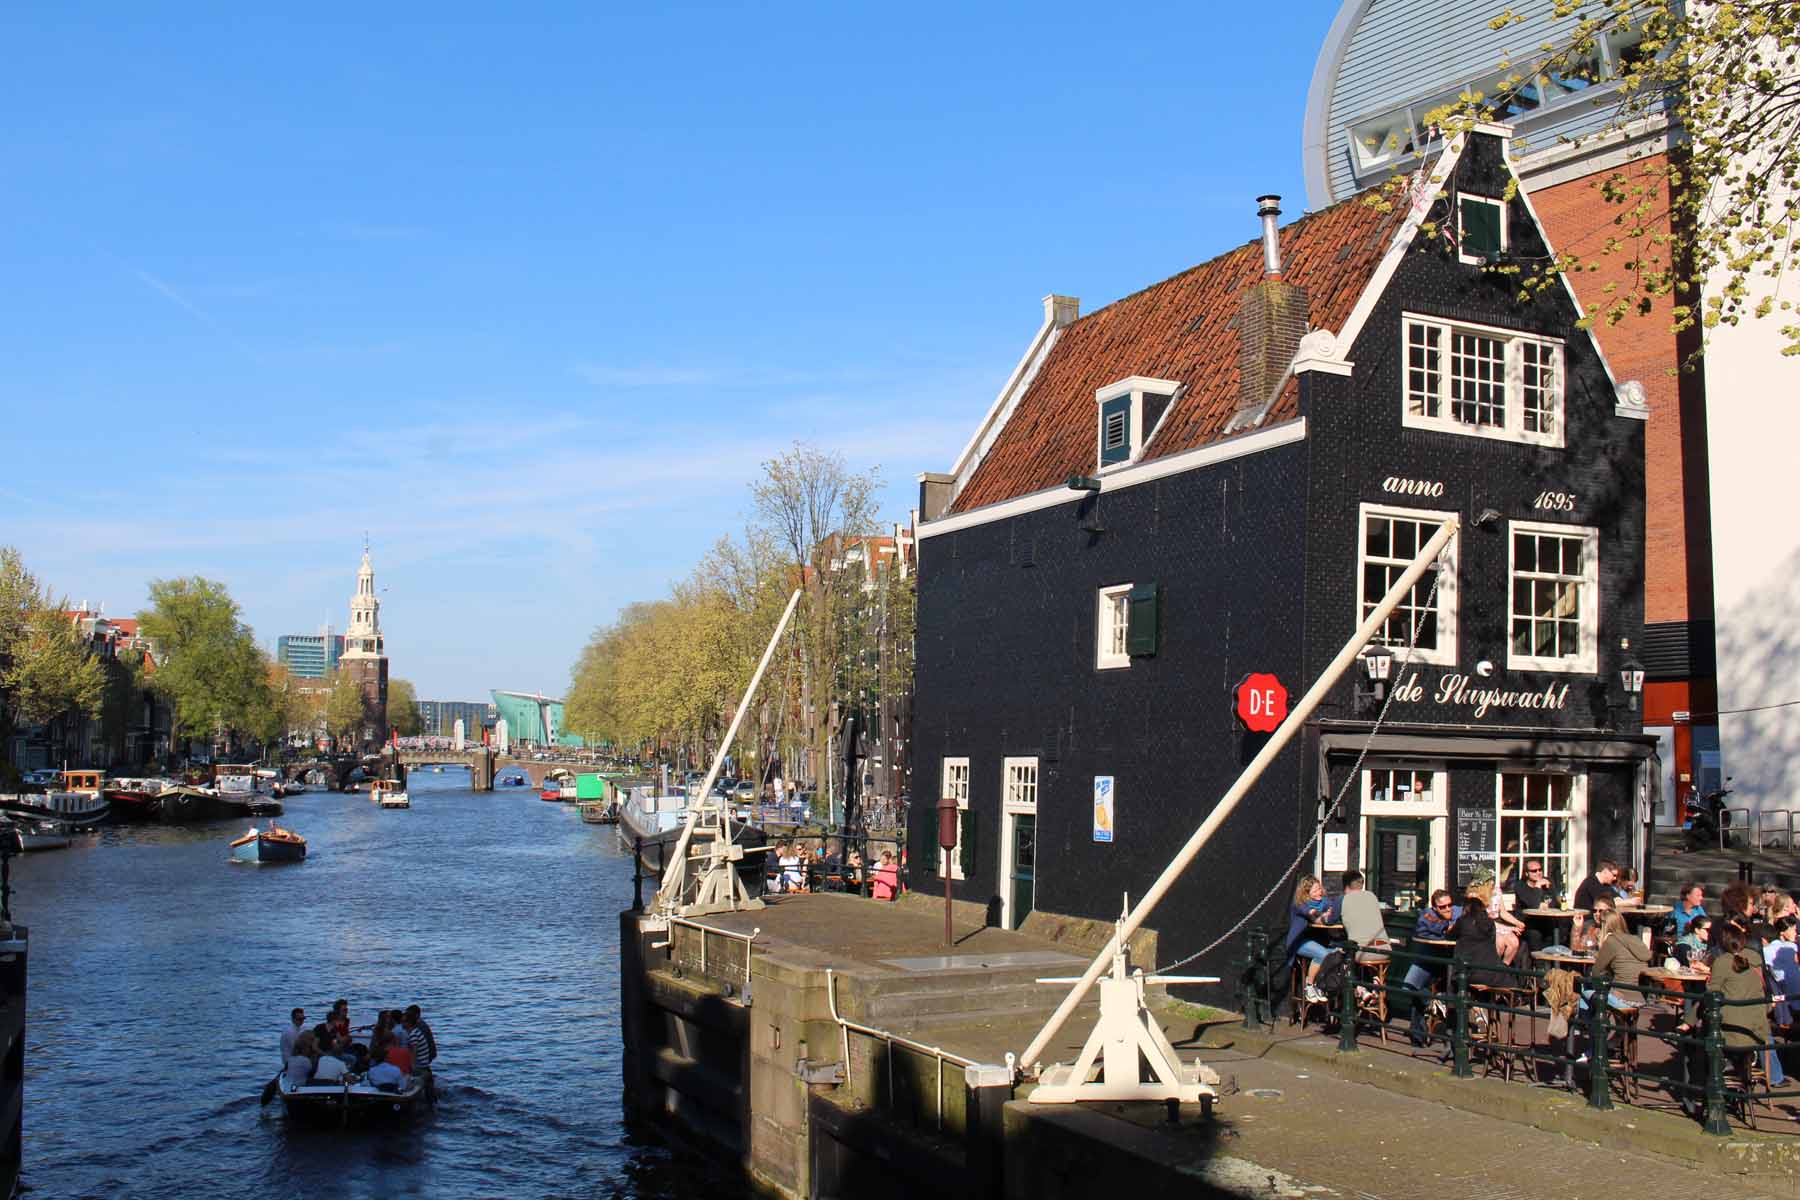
point(1486, 516)
point(1631, 674)
point(1378, 663)
point(1083, 483)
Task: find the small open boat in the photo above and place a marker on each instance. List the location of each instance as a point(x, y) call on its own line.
point(37, 833)
point(353, 1102)
point(599, 812)
point(271, 845)
point(389, 794)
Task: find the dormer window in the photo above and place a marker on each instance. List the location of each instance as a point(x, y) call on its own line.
point(1482, 221)
point(1128, 413)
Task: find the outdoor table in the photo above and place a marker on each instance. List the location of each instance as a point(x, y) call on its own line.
point(1551, 914)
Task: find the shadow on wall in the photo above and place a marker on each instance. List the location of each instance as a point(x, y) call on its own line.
point(1759, 664)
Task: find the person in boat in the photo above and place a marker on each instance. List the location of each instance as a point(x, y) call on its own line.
point(330, 1067)
point(299, 1067)
point(418, 1034)
point(387, 1077)
point(399, 1050)
point(291, 1034)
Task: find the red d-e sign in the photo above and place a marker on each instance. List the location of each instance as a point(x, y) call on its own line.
point(1261, 702)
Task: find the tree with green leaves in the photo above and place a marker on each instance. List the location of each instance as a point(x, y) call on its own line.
point(47, 669)
point(209, 669)
point(1708, 228)
point(403, 707)
point(346, 710)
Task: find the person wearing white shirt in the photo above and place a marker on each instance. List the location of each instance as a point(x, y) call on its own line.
point(292, 1032)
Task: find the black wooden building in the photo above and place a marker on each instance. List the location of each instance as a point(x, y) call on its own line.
point(1220, 475)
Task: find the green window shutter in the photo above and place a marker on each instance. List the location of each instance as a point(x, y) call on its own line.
point(1143, 629)
point(1480, 227)
point(1115, 430)
point(966, 849)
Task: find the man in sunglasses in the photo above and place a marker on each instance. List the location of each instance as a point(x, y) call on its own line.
point(1434, 922)
point(1534, 889)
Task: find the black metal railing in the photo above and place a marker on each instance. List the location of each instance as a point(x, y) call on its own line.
point(1706, 1076)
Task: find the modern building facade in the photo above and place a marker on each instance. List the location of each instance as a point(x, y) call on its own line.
point(365, 654)
point(1219, 477)
point(533, 718)
point(310, 655)
point(438, 718)
point(1384, 66)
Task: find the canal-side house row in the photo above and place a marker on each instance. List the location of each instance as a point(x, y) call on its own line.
point(1220, 476)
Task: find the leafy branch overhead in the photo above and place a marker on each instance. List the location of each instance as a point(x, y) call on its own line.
point(1706, 229)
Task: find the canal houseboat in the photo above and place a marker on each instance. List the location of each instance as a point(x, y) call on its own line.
point(1182, 504)
point(271, 845)
point(79, 800)
point(133, 799)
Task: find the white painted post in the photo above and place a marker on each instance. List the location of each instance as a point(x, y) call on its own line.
point(1276, 743)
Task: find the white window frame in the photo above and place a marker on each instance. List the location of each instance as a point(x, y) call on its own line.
point(1505, 234)
point(1512, 428)
point(1576, 858)
point(955, 782)
point(1112, 624)
point(1436, 809)
point(1444, 655)
point(1587, 661)
point(1018, 797)
point(1137, 435)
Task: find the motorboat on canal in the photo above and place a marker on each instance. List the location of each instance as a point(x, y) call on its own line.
point(37, 833)
point(271, 845)
point(354, 1101)
point(389, 794)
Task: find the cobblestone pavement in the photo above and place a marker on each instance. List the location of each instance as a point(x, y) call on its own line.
point(1330, 1137)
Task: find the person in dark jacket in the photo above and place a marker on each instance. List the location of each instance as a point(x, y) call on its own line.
point(1310, 907)
point(1474, 932)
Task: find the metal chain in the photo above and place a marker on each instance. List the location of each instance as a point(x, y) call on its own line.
point(1325, 815)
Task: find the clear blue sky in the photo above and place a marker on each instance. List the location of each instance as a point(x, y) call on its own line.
point(530, 300)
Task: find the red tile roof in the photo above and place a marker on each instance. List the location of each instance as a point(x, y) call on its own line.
point(1182, 329)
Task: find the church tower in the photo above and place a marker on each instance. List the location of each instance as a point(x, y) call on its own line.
point(365, 654)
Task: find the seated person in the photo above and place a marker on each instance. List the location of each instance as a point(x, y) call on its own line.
point(1693, 949)
point(387, 1077)
point(1625, 889)
point(1434, 922)
point(1310, 907)
point(1534, 889)
point(1622, 957)
point(399, 1052)
point(1598, 886)
point(330, 1068)
point(1363, 922)
point(793, 869)
point(1691, 904)
point(886, 885)
point(299, 1067)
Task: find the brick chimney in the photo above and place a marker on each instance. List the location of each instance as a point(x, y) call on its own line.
point(1271, 319)
point(1061, 310)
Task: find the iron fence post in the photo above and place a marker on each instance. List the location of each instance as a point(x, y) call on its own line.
point(1599, 1038)
point(1256, 979)
point(1459, 1028)
point(1716, 1121)
point(1347, 1002)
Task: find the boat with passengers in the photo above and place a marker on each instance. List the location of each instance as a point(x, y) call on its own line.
point(271, 845)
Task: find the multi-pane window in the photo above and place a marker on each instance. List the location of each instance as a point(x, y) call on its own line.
point(1540, 819)
point(1391, 539)
point(1477, 379)
point(1019, 785)
point(1489, 382)
point(956, 783)
point(1113, 627)
point(1554, 601)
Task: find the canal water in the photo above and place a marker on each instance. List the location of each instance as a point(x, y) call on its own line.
point(161, 976)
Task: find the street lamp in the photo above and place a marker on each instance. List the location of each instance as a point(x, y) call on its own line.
point(1631, 674)
point(947, 823)
point(1378, 663)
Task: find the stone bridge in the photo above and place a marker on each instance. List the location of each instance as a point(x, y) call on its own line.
point(486, 765)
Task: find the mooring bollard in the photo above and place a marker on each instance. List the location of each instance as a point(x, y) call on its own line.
point(637, 875)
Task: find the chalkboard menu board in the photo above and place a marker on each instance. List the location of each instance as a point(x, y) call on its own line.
point(1475, 842)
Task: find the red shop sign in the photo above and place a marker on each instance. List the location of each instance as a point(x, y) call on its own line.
point(1262, 703)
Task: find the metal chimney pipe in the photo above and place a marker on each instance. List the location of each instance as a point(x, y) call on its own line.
point(1269, 208)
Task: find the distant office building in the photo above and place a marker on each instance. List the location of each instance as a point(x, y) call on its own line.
point(438, 718)
point(310, 656)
